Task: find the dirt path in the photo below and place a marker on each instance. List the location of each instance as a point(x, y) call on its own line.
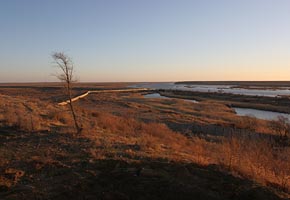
point(100, 91)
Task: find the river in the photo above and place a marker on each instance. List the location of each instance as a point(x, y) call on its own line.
point(260, 114)
point(215, 88)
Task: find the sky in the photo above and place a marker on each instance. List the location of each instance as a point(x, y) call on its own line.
point(146, 40)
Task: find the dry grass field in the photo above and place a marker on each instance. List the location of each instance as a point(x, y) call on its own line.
point(133, 147)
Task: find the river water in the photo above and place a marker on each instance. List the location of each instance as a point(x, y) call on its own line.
point(215, 88)
point(260, 114)
point(157, 95)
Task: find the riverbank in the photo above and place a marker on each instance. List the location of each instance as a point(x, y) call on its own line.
point(275, 104)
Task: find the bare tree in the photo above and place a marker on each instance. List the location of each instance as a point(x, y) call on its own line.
point(66, 75)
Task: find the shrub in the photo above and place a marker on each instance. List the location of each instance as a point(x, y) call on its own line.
point(281, 126)
point(247, 122)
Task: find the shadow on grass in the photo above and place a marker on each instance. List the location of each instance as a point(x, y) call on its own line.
point(59, 166)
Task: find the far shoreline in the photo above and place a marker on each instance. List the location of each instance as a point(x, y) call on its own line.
point(239, 83)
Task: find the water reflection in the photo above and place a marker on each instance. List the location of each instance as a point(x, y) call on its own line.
point(157, 95)
point(261, 114)
point(215, 88)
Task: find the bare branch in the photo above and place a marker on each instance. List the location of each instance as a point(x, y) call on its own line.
point(64, 63)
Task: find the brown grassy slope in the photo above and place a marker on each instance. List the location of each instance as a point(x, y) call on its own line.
point(117, 157)
point(209, 112)
point(207, 117)
point(58, 166)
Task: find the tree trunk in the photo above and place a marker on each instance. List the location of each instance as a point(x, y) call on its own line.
point(78, 129)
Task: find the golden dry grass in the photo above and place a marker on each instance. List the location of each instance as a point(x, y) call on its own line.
point(253, 157)
point(249, 156)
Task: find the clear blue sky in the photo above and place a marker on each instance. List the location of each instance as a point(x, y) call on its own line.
point(146, 40)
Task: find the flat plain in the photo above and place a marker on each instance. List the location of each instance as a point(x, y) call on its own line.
point(133, 147)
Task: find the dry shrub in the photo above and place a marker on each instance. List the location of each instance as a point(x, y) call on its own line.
point(116, 124)
point(202, 152)
point(62, 116)
point(256, 158)
point(281, 126)
point(65, 118)
point(23, 121)
point(23, 114)
point(247, 122)
point(150, 135)
point(9, 118)
point(250, 156)
point(147, 142)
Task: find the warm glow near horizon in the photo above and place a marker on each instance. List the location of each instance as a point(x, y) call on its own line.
point(137, 41)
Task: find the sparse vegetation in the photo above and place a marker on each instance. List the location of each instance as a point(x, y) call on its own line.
point(249, 156)
point(276, 104)
point(281, 127)
point(116, 147)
